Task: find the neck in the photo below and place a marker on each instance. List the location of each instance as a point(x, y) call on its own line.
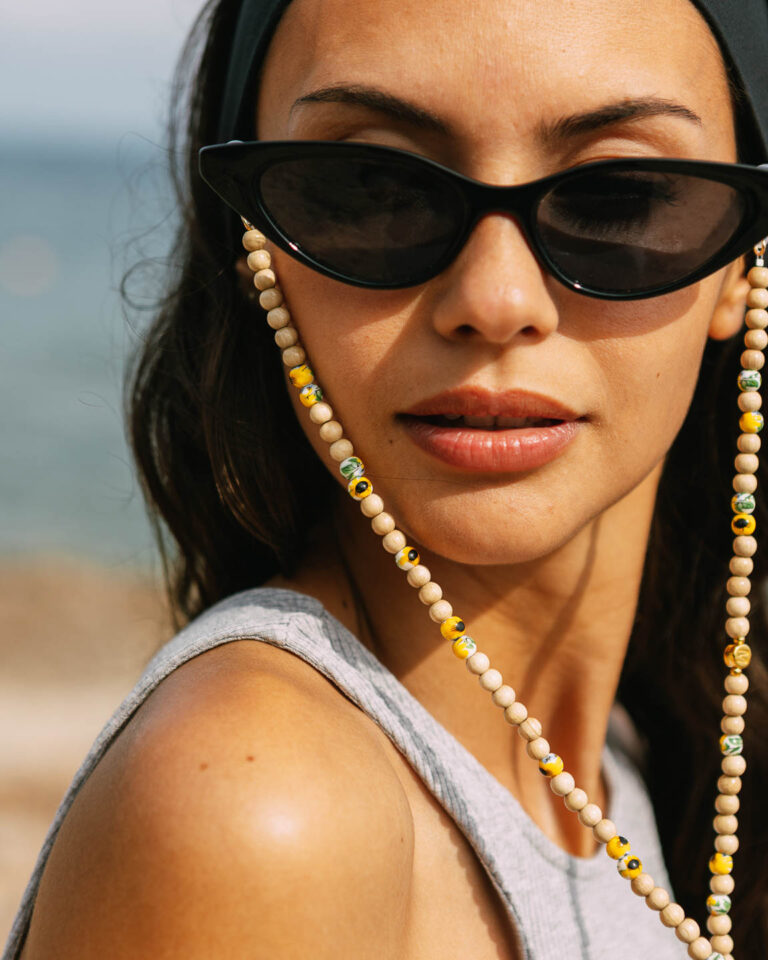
point(557, 628)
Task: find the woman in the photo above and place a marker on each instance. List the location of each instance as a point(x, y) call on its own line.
point(341, 789)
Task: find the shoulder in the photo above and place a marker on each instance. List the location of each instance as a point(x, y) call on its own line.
point(248, 808)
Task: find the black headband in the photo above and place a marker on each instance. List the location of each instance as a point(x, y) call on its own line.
point(740, 26)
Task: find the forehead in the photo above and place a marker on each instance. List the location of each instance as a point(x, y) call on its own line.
point(493, 68)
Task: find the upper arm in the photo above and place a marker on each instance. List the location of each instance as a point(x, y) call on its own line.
point(248, 810)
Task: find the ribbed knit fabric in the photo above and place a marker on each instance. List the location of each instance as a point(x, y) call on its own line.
point(560, 905)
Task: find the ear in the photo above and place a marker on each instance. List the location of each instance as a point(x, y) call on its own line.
point(728, 316)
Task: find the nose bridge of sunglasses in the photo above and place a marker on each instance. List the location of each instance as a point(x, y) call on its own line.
point(515, 203)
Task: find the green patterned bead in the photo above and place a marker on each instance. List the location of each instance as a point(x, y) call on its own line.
point(731, 744)
point(351, 467)
point(718, 903)
point(750, 380)
point(743, 503)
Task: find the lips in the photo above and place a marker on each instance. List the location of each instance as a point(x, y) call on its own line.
point(479, 402)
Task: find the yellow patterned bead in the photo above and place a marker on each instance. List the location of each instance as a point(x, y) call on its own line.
point(452, 628)
point(302, 375)
point(751, 422)
point(743, 525)
point(407, 558)
point(738, 655)
point(721, 863)
point(551, 765)
point(464, 647)
point(629, 867)
point(310, 394)
point(359, 488)
point(617, 847)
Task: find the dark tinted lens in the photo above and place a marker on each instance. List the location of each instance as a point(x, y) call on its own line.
point(371, 220)
point(631, 231)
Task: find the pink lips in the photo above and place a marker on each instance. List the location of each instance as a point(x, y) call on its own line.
point(497, 450)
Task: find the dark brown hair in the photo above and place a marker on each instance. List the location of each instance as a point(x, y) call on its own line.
point(233, 486)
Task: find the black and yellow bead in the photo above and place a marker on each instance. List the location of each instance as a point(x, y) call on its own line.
point(751, 422)
point(407, 558)
point(629, 867)
point(551, 765)
point(617, 847)
point(359, 488)
point(737, 655)
point(743, 525)
point(720, 863)
point(301, 375)
point(452, 628)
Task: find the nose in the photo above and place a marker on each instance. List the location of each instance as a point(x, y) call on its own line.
point(495, 290)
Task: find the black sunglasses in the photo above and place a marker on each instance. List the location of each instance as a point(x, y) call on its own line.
point(384, 218)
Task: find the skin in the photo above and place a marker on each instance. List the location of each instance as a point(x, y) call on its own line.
point(247, 756)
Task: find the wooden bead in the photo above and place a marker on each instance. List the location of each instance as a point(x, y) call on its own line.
point(744, 483)
point(504, 696)
point(737, 627)
point(430, 593)
point(286, 336)
point(382, 524)
point(271, 298)
point(515, 713)
point(738, 586)
point(741, 566)
point(688, 930)
point(340, 450)
point(672, 915)
point(719, 923)
point(320, 413)
point(371, 506)
point(737, 606)
point(727, 803)
point(642, 884)
point(394, 541)
point(562, 784)
point(725, 823)
point(259, 260)
point(757, 318)
point(732, 725)
point(746, 463)
point(604, 830)
point(752, 360)
point(264, 279)
point(736, 683)
point(758, 277)
point(491, 680)
point(733, 767)
point(721, 883)
point(757, 298)
point(576, 800)
point(657, 899)
point(749, 443)
point(734, 705)
point(727, 843)
point(729, 785)
point(254, 240)
point(530, 729)
point(419, 576)
point(700, 949)
point(332, 431)
point(440, 611)
point(293, 356)
point(722, 944)
point(279, 317)
point(751, 400)
point(744, 546)
point(756, 339)
point(538, 749)
point(590, 815)
point(478, 663)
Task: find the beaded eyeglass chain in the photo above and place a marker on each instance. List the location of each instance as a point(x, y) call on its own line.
point(737, 653)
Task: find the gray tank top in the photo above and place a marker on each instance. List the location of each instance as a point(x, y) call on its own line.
point(560, 905)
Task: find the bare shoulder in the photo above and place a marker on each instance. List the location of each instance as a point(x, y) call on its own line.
point(247, 810)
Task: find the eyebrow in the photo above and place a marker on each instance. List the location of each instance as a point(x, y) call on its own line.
point(564, 128)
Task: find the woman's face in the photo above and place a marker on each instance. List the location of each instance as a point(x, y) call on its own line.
point(501, 77)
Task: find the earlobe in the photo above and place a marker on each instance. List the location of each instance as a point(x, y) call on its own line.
point(728, 316)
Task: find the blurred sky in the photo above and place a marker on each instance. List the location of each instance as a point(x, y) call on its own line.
point(85, 68)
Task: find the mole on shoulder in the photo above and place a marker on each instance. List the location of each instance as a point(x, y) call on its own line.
point(249, 758)
point(203, 766)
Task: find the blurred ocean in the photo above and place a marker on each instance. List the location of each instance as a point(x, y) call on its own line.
point(73, 217)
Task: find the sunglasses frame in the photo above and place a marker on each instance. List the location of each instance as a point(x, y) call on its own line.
point(233, 171)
